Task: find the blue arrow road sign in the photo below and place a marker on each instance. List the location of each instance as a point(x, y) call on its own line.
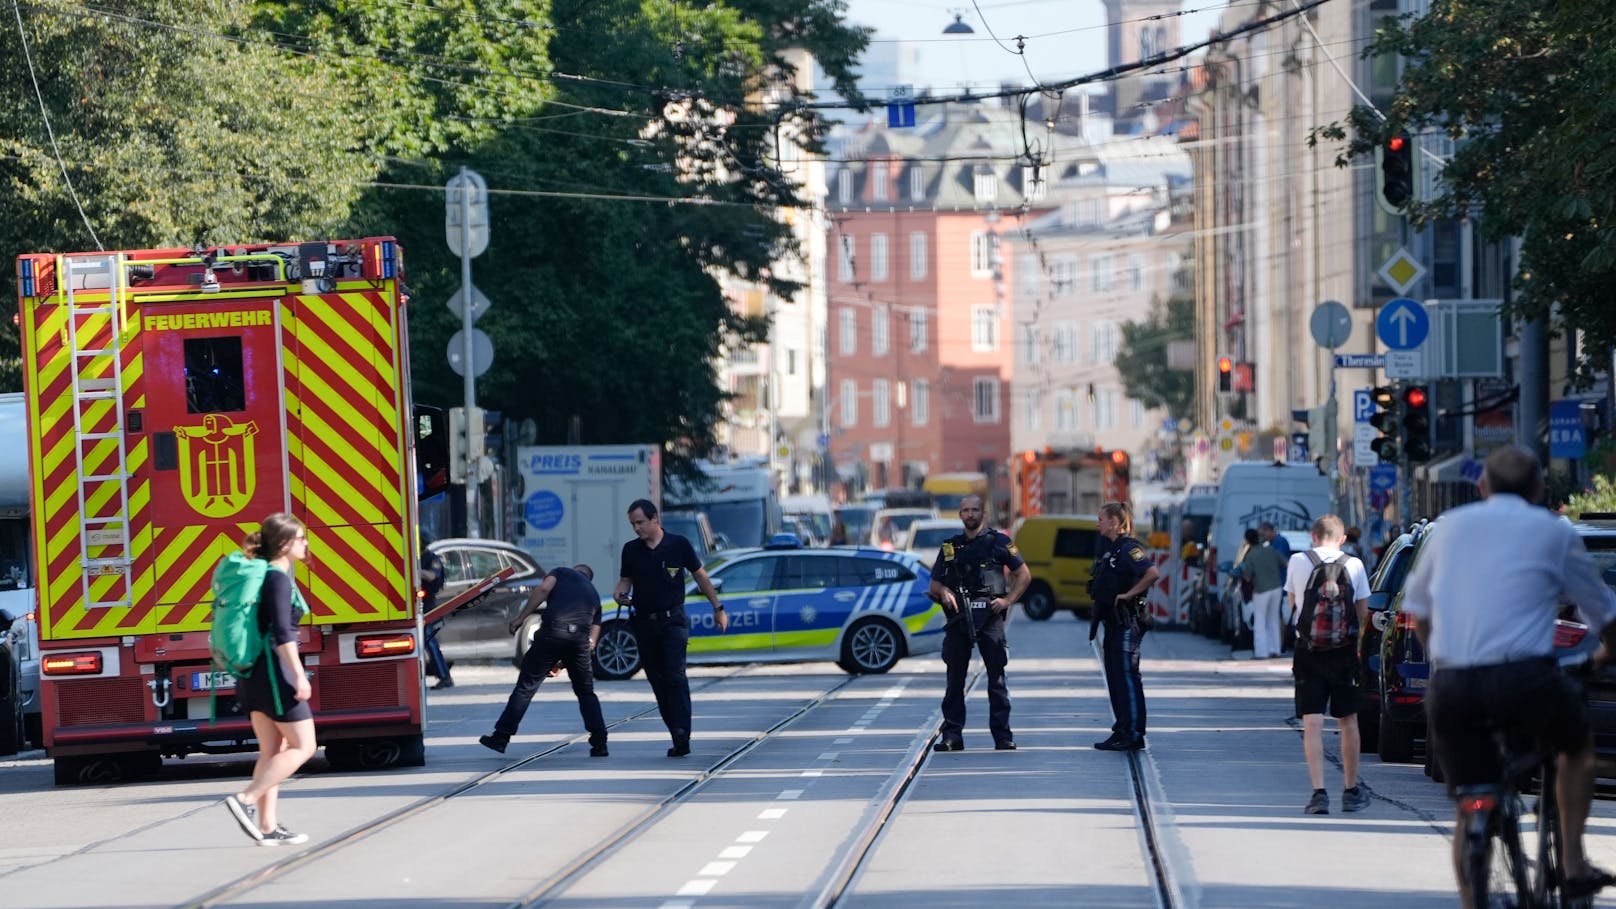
point(900, 115)
point(1402, 324)
point(1383, 476)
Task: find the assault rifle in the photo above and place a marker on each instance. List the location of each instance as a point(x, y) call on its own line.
point(965, 613)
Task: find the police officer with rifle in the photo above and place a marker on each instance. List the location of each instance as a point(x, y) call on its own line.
point(969, 580)
point(1123, 573)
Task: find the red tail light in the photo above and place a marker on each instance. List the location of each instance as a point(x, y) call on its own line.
point(1472, 804)
point(1568, 634)
point(384, 645)
point(71, 664)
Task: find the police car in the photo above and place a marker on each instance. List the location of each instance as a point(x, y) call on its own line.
point(864, 608)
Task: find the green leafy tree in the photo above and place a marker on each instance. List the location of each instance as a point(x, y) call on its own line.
point(1527, 92)
point(1144, 351)
point(172, 130)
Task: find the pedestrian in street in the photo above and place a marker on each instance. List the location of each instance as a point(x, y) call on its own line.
point(1485, 595)
point(276, 693)
point(968, 578)
point(566, 638)
point(652, 582)
point(432, 572)
point(1122, 575)
point(1328, 593)
point(1265, 568)
point(1270, 536)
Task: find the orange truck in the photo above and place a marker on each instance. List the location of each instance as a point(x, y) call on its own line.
point(1054, 481)
point(174, 398)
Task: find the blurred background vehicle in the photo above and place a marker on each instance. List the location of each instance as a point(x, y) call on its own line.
point(926, 536)
point(480, 630)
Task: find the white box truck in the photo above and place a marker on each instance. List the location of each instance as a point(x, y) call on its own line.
point(574, 501)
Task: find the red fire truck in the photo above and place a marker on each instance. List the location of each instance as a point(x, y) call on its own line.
point(174, 398)
point(1068, 482)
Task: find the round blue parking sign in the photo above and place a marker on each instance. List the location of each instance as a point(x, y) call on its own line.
point(544, 510)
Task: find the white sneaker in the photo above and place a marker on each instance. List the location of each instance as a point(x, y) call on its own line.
point(246, 816)
point(280, 836)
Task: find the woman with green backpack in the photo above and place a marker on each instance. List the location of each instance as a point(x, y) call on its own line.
point(276, 690)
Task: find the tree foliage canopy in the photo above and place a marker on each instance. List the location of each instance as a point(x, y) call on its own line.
point(1526, 91)
point(1141, 362)
point(632, 150)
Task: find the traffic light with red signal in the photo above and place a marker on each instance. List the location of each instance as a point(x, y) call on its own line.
point(1225, 374)
point(1394, 173)
point(1417, 423)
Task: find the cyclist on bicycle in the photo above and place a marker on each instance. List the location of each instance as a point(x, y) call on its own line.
point(1485, 593)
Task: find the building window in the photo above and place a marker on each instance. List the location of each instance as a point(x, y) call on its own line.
point(1102, 273)
point(881, 403)
point(1029, 343)
point(878, 181)
point(849, 403)
point(1033, 185)
point(920, 402)
point(917, 183)
point(1105, 409)
point(986, 186)
point(985, 393)
point(1064, 348)
point(791, 361)
point(1063, 277)
point(1105, 342)
point(1136, 272)
point(1138, 408)
point(879, 331)
point(1026, 276)
point(917, 330)
point(847, 332)
point(984, 328)
point(981, 254)
point(878, 257)
point(1065, 411)
point(917, 255)
point(844, 261)
point(1032, 400)
point(844, 187)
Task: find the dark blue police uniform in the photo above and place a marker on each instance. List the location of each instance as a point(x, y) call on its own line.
point(660, 625)
point(563, 637)
point(1118, 567)
point(976, 566)
point(436, 664)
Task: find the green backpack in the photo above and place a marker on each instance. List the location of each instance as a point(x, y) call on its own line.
point(236, 641)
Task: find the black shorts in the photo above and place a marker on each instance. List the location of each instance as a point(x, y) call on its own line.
point(1326, 680)
point(1531, 698)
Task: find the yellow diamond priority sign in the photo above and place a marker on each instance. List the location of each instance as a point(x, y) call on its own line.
point(1402, 271)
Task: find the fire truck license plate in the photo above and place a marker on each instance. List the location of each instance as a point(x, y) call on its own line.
point(208, 681)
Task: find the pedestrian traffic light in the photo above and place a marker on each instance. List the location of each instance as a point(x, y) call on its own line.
point(1225, 374)
point(1388, 420)
point(1394, 173)
point(1417, 423)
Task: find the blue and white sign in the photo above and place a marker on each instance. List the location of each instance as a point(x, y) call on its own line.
point(544, 510)
point(1360, 361)
point(1363, 405)
point(1383, 477)
point(1567, 439)
point(1402, 324)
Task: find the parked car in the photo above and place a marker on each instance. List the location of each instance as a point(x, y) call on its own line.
point(1599, 535)
point(1384, 584)
point(1404, 672)
point(892, 524)
point(481, 630)
point(926, 536)
point(1059, 550)
point(865, 608)
point(856, 522)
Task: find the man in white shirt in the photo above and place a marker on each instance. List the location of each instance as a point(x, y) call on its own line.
point(1327, 678)
point(1485, 593)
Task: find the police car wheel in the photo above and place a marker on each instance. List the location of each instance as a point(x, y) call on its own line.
point(870, 646)
point(1038, 603)
point(617, 653)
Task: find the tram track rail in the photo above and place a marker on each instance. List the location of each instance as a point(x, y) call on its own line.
point(283, 867)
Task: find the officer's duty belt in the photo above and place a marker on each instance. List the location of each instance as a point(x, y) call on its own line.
point(654, 616)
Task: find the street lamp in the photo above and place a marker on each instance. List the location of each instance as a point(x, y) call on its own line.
point(958, 26)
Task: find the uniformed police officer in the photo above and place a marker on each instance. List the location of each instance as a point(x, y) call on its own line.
point(970, 574)
point(1122, 574)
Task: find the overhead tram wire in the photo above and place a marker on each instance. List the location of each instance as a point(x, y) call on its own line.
point(44, 113)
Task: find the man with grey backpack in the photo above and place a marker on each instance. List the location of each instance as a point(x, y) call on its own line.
point(1328, 593)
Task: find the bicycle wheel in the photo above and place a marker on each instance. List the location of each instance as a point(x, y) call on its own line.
point(1496, 864)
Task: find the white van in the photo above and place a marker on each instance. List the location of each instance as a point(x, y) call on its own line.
point(815, 510)
point(1289, 496)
